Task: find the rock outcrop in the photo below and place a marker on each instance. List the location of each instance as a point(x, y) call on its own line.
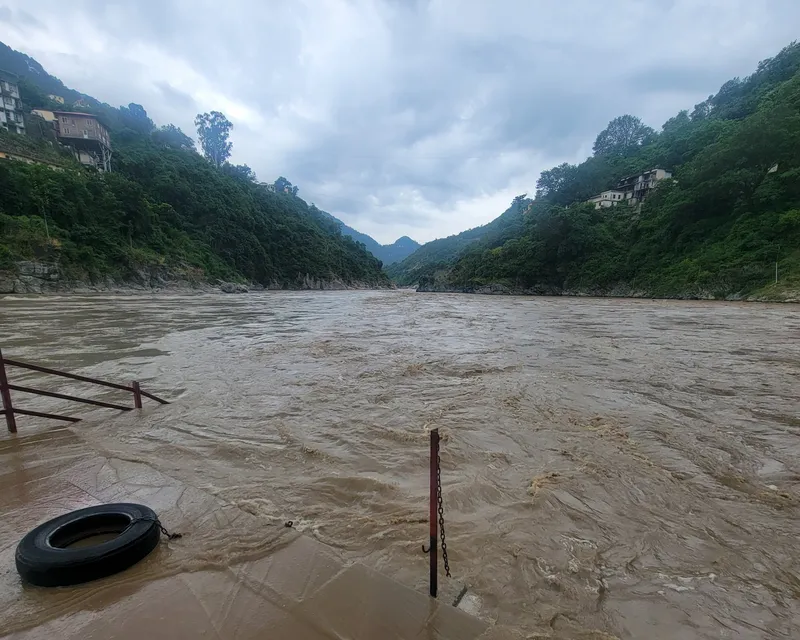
point(233, 287)
point(46, 277)
point(31, 277)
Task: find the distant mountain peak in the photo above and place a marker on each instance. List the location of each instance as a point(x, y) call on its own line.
point(386, 253)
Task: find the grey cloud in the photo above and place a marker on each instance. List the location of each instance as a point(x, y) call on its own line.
point(694, 79)
point(20, 17)
point(177, 98)
point(423, 107)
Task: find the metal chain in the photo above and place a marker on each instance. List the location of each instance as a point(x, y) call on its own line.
point(170, 536)
point(441, 511)
point(167, 534)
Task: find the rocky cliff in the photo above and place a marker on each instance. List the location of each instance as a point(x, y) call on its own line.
point(41, 277)
point(47, 278)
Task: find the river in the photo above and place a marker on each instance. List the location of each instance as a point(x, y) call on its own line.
point(621, 467)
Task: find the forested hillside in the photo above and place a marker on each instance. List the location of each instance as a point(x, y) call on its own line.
point(164, 207)
point(717, 229)
point(438, 255)
point(398, 250)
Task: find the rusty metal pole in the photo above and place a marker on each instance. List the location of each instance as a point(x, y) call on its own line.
point(5, 393)
point(434, 500)
point(137, 395)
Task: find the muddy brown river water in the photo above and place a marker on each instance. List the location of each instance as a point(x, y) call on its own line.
point(619, 467)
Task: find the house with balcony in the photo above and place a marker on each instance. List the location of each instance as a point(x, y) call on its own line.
point(86, 136)
point(631, 189)
point(637, 187)
point(610, 198)
point(11, 118)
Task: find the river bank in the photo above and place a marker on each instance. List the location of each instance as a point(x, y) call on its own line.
point(767, 294)
point(30, 277)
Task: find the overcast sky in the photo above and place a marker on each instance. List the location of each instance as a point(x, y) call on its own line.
point(403, 117)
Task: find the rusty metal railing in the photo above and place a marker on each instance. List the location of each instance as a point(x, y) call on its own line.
point(9, 410)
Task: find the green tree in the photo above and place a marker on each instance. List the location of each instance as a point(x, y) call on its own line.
point(162, 207)
point(214, 129)
point(135, 117)
point(173, 137)
point(677, 123)
point(623, 135)
point(553, 180)
point(240, 172)
point(702, 110)
point(716, 230)
point(282, 185)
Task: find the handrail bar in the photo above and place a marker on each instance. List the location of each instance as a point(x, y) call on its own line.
point(73, 376)
point(147, 394)
point(39, 414)
point(64, 396)
point(8, 410)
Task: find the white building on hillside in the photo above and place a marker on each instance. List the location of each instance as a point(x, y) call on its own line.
point(633, 189)
point(610, 198)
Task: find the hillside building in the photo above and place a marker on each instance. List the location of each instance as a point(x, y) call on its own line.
point(87, 137)
point(632, 189)
point(10, 104)
point(610, 198)
point(637, 187)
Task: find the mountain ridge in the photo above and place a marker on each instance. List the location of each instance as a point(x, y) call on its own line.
point(726, 225)
point(164, 210)
point(386, 253)
point(435, 255)
point(27, 67)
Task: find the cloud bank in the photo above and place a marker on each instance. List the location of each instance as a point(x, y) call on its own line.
point(403, 117)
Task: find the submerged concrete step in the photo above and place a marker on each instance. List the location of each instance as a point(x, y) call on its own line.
point(282, 585)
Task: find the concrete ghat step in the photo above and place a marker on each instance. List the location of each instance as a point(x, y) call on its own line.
point(301, 592)
point(296, 588)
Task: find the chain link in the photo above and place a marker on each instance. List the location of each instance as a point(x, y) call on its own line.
point(441, 511)
point(162, 528)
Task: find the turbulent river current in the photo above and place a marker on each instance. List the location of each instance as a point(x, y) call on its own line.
point(619, 467)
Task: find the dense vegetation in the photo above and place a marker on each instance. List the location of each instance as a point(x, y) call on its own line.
point(164, 206)
point(717, 229)
point(437, 256)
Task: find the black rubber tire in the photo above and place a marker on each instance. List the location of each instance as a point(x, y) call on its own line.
point(42, 559)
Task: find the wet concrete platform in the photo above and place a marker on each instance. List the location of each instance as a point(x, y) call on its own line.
point(232, 575)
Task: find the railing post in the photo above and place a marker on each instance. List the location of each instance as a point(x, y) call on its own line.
point(5, 393)
point(434, 501)
point(137, 395)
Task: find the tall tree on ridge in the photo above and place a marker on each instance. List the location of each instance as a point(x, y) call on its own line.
point(623, 135)
point(213, 129)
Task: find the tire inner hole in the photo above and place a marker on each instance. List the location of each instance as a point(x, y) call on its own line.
point(89, 531)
